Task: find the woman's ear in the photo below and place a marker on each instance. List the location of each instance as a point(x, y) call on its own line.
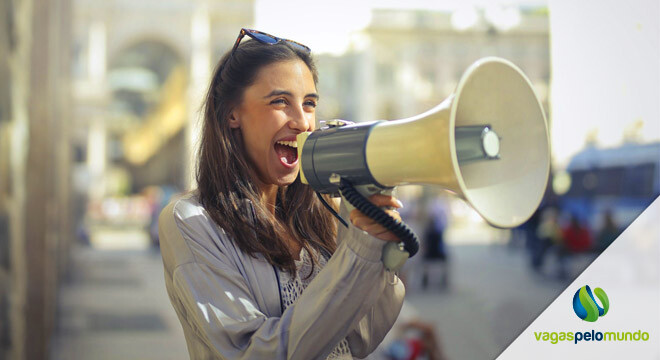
point(234, 123)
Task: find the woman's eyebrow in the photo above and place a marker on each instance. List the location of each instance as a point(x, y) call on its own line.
point(288, 93)
point(278, 93)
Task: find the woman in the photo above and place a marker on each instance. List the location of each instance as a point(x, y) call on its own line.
point(240, 250)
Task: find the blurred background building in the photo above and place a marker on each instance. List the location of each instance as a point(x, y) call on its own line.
point(408, 60)
point(138, 73)
point(99, 112)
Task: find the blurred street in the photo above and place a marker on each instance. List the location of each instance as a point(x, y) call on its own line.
point(492, 297)
point(114, 305)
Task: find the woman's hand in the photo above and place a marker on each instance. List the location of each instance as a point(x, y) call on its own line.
point(363, 222)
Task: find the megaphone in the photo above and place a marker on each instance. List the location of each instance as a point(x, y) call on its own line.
point(487, 143)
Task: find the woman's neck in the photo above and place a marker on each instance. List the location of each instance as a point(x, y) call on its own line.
point(269, 196)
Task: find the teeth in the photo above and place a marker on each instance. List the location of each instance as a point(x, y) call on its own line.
point(293, 144)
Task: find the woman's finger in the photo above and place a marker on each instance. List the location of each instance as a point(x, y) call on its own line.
point(363, 222)
point(378, 231)
point(360, 220)
point(374, 229)
point(385, 201)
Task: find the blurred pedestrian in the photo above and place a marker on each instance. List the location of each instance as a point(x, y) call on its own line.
point(153, 196)
point(529, 230)
point(435, 250)
point(608, 233)
point(577, 238)
point(549, 235)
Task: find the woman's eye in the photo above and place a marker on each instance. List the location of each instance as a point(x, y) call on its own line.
point(278, 101)
point(310, 103)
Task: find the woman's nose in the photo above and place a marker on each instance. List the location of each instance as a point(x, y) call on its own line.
point(300, 120)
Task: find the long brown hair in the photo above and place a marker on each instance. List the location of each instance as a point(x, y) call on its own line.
point(225, 173)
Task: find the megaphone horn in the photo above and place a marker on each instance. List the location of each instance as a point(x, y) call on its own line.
point(488, 143)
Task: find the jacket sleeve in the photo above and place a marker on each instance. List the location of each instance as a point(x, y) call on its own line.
point(345, 297)
point(369, 332)
point(372, 328)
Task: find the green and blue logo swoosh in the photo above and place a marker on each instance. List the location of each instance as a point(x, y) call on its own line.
point(585, 305)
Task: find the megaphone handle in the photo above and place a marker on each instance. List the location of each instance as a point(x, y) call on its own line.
point(394, 254)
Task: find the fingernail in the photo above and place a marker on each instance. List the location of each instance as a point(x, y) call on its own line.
point(398, 202)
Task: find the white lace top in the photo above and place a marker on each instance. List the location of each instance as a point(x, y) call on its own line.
point(291, 288)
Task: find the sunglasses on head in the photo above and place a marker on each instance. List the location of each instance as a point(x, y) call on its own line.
point(264, 38)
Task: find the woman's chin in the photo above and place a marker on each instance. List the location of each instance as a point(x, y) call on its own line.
point(286, 178)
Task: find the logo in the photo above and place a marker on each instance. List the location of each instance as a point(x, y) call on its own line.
point(587, 309)
point(585, 305)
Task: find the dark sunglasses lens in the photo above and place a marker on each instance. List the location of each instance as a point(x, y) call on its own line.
point(264, 38)
point(298, 46)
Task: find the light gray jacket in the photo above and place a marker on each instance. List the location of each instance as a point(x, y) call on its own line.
point(229, 302)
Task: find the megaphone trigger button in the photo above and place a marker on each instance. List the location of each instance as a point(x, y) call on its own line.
point(334, 179)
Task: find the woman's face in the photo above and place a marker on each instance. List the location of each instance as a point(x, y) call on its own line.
point(280, 104)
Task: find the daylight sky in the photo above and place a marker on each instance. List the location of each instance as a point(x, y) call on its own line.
point(325, 26)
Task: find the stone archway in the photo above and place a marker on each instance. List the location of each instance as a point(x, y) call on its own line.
point(148, 82)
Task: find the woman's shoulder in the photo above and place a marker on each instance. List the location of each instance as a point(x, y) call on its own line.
point(186, 230)
point(184, 206)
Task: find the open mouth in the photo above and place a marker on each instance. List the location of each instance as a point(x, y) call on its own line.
point(287, 152)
